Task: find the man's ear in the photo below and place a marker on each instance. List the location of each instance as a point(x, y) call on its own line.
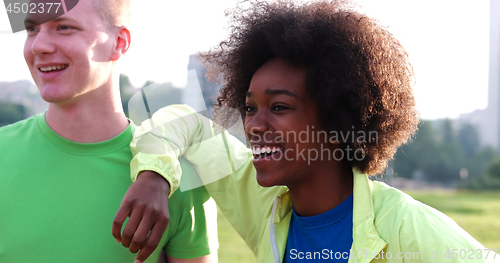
point(122, 43)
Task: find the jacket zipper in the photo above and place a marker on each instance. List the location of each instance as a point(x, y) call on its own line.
point(272, 234)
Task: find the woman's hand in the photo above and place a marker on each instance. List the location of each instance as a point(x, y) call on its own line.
point(146, 205)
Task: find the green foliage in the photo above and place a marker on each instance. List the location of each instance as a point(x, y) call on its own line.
point(418, 154)
point(446, 164)
point(480, 161)
point(163, 94)
point(468, 139)
point(494, 168)
point(439, 153)
point(124, 81)
point(11, 112)
point(485, 182)
point(126, 91)
point(448, 132)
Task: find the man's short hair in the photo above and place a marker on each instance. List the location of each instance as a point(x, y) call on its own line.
point(114, 13)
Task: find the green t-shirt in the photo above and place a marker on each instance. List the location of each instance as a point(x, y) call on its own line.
point(58, 199)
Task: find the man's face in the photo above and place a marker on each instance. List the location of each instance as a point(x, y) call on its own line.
point(69, 56)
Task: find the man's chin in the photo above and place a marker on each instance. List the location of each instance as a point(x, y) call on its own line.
point(52, 99)
point(55, 98)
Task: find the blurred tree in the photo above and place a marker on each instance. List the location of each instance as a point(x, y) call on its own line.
point(158, 95)
point(162, 94)
point(448, 132)
point(439, 153)
point(11, 112)
point(450, 158)
point(125, 81)
point(494, 168)
point(418, 153)
point(404, 162)
point(479, 163)
point(126, 91)
point(468, 138)
point(434, 152)
point(446, 163)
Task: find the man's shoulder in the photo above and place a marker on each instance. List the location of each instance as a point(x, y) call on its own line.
point(18, 129)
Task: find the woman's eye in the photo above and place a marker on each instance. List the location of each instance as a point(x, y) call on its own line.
point(249, 108)
point(279, 108)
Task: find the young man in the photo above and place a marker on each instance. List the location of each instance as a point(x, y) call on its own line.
point(64, 173)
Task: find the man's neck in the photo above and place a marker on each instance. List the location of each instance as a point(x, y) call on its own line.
point(89, 120)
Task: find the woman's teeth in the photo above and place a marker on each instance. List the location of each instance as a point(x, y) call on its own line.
point(262, 151)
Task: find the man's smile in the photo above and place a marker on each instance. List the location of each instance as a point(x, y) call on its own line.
point(53, 68)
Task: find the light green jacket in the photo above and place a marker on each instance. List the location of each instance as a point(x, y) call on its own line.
point(385, 220)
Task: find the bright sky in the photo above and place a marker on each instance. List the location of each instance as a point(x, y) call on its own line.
point(448, 43)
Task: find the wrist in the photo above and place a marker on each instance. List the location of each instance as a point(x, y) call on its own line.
point(157, 179)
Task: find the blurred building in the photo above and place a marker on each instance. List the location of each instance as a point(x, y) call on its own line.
point(488, 120)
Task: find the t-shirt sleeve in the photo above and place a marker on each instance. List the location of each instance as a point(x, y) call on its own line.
point(196, 232)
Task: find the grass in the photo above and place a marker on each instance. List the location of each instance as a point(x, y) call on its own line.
point(231, 247)
point(476, 212)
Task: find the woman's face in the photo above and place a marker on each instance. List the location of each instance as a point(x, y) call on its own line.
point(282, 124)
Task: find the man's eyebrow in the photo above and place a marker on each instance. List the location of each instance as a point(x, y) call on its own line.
point(62, 18)
point(29, 22)
point(33, 22)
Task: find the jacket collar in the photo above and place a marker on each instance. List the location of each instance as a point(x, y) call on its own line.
point(365, 236)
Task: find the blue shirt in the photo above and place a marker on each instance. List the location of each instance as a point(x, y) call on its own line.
point(310, 238)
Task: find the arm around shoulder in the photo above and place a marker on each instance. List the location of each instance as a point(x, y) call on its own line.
point(159, 141)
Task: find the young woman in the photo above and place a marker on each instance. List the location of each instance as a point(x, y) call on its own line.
point(327, 99)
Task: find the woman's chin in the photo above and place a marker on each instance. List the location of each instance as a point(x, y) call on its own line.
point(266, 179)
